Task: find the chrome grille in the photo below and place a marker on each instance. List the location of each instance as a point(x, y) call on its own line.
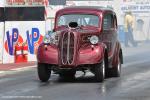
point(67, 49)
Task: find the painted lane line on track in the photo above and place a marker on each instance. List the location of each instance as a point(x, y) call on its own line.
point(16, 70)
point(23, 68)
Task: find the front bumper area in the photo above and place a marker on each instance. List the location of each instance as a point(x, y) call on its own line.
point(86, 56)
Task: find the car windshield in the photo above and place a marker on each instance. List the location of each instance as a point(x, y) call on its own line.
point(81, 19)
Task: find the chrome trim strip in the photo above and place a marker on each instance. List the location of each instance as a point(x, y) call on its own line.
point(62, 49)
point(68, 47)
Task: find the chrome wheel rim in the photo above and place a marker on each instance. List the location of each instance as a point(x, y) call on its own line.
point(119, 66)
point(103, 69)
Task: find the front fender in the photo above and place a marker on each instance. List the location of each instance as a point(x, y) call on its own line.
point(92, 54)
point(47, 54)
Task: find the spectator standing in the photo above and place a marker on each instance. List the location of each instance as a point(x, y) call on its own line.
point(129, 26)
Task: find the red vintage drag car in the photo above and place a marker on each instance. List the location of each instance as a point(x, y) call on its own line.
point(83, 38)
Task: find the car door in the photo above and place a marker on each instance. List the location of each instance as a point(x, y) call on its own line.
point(109, 32)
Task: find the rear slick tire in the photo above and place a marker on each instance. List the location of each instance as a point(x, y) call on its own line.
point(44, 72)
point(116, 71)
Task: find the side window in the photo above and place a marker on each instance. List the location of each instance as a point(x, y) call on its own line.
point(115, 22)
point(108, 22)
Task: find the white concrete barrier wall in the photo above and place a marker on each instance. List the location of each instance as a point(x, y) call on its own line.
point(1, 40)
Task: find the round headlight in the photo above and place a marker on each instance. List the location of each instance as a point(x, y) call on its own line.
point(51, 38)
point(94, 39)
point(46, 39)
point(54, 38)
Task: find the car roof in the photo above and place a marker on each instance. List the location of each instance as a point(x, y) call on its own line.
point(97, 8)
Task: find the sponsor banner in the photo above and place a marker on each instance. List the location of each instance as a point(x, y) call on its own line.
point(1, 40)
point(26, 2)
point(22, 38)
point(135, 8)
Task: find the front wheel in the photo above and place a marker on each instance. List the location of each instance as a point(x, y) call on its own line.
point(44, 72)
point(100, 71)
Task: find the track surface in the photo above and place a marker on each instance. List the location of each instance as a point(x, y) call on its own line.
point(134, 83)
